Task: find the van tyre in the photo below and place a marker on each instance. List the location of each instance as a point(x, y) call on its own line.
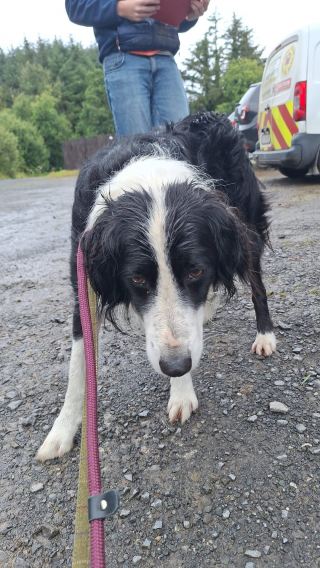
point(294, 174)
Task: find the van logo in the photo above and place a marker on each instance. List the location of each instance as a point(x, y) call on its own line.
point(288, 60)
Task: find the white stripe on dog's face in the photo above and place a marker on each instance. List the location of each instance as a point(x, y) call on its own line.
point(173, 328)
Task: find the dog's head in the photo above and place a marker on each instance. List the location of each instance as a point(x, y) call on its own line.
point(161, 252)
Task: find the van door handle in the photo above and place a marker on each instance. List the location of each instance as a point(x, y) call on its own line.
point(267, 108)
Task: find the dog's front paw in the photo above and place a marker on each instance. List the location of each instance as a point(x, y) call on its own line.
point(59, 440)
point(265, 344)
point(181, 406)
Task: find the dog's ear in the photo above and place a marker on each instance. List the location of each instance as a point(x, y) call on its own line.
point(230, 240)
point(102, 252)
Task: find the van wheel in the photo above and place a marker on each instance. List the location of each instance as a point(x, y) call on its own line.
point(294, 174)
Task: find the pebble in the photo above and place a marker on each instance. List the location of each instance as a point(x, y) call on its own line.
point(253, 553)
point(146, 544)
point(124, 513)
point(278, 407)
point(11, 394)
point(136, 559)
point(157, 525)
point(207, 518)
point(145, 497)
point(21, 563)
point(249, 565)
point(301, 428)
point(279, 383)
point(226, 514)
point(274, 534)
point(284, 514)
point(36, 487)
point(282, 422)
point(315, 451)
point(14, 404)
point(266, 549)
point(186, 524)
point(144, 413)
point(128, 476)
point(49, 532)
point(157, 504)
point(252, 418)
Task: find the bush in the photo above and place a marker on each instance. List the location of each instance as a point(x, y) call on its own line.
point(32, 150)
point(9, 155)
point(54, 127)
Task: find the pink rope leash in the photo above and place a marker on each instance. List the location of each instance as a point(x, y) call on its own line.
point(108, 503)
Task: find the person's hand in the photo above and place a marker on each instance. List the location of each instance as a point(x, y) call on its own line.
point(138, 10)
point(198, 8)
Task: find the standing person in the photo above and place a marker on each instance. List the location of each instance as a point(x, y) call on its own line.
point(143, 83)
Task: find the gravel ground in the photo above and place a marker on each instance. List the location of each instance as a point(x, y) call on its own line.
point(238, 484)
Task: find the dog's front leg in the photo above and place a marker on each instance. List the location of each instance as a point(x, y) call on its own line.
point(183, 400)
point(60, 439)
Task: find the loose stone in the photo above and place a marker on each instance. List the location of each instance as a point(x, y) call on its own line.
point(252, 418)
point(136, 559)
point(157, 525)
point(301, 428)
point(253, 553)
point(124, 513)
point(36, 487)
point(278, 407)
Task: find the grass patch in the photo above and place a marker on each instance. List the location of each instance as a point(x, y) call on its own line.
point(51, 175)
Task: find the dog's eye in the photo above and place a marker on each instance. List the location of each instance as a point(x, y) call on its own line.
point(196, 273)
point(138, 280)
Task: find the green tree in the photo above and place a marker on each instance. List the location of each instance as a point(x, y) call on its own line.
point(202, 72)
point(9, 155)
point(54, 127)
point(239, 42)
point(236, 81)
point(33, 154)
point(95, 117)
point(22, 106)
point(34, 79)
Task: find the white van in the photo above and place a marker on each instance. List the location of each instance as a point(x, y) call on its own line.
point(289, 105)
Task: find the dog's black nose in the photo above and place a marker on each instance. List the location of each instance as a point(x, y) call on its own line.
point(176, 367)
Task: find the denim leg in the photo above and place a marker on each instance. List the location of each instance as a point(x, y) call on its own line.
point(169, 99)
point(128, 84)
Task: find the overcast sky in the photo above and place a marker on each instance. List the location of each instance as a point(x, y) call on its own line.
point(271, 20)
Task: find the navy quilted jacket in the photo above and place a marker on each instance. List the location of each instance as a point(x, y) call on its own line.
point(112, 31)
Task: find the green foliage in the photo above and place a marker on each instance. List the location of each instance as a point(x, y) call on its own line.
point(33, 154)
point(22, 106)
point(203, 70)
point(95, 117)
point(9, 155)
point(239, 42)
point(213, 72)
point(240, 74)
point(34, 79)
point(54, 127)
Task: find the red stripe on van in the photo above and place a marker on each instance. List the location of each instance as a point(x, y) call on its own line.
point(288, 119)
point(278, 135)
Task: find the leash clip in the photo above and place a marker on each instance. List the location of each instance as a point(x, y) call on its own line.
point(104, 505)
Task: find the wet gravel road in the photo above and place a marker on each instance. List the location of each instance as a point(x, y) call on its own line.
point(236, 486)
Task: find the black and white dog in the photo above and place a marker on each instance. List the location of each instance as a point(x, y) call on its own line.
point(170, 217)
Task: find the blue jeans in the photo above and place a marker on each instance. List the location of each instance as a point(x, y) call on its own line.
point(143, 92)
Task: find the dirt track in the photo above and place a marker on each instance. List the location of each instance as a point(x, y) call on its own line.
point(222, 485)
